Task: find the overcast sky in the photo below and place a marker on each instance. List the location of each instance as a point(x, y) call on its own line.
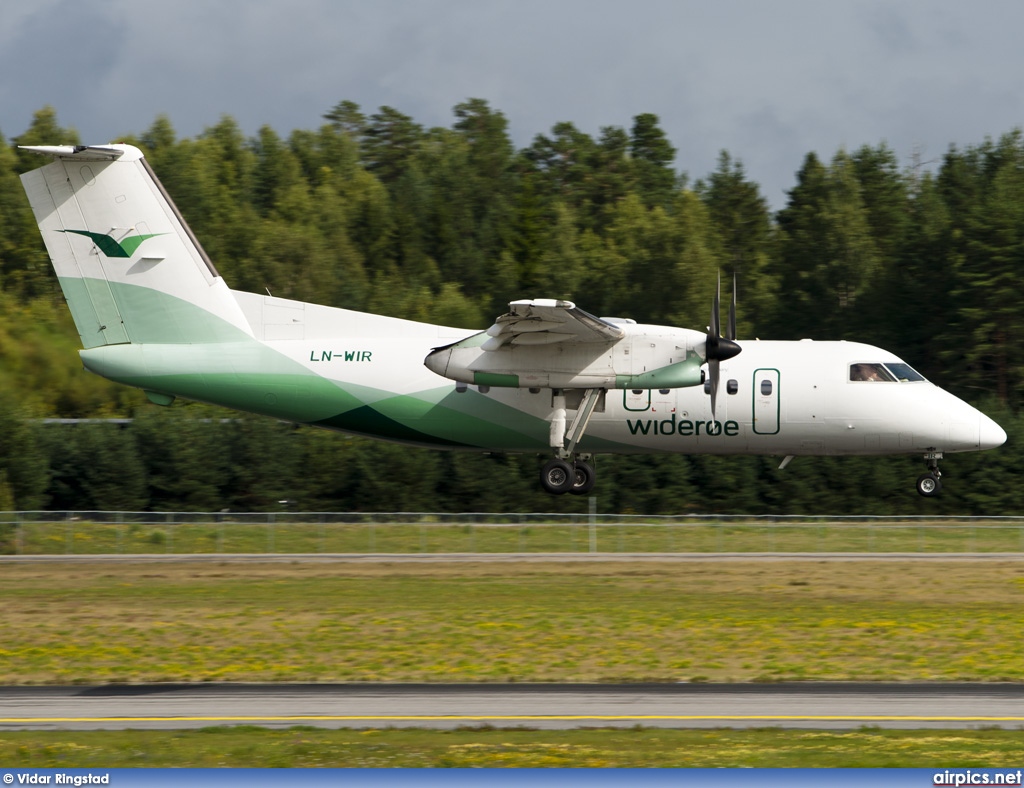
point(768, 81)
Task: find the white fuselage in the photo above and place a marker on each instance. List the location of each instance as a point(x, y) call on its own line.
point(775, 398)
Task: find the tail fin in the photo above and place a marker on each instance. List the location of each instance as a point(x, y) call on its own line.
point(130, 268)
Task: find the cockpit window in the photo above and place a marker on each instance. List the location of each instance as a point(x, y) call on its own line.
point(870, 372)
point(905, 373)
point(887, 373)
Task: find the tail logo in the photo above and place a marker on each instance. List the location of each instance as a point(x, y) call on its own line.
point(111, 248)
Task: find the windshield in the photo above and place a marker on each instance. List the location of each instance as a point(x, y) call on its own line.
point(905, 373)
point(884, 373)
point(870, 372)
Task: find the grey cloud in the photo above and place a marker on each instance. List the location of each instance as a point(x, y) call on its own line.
point(767, 81)
point(59, 55)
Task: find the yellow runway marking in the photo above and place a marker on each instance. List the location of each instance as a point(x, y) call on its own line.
point(524, 718)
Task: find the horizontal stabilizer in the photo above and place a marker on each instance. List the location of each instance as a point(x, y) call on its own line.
point(80, 152)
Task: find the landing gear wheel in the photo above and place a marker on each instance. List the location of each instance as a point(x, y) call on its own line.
point(929, 485)
point(584, 478)
point(557, 477)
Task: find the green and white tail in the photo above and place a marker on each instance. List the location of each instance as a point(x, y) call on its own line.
point(130, 269)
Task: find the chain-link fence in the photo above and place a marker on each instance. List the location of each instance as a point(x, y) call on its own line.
point(130, 533)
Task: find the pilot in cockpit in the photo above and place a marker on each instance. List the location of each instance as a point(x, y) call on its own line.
point(866, 372)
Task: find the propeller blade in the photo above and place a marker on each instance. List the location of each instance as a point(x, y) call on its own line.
point(714, 374)
point(731, 332)
point(718, 348)
point(713, 327)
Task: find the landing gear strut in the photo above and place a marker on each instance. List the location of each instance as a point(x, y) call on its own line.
point(930, 484)
point(567, 473)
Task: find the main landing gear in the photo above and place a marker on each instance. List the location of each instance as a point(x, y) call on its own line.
point(563, 476)
point(567, 472)
point(930, 484)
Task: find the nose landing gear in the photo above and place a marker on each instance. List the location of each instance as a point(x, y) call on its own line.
point(930, 484)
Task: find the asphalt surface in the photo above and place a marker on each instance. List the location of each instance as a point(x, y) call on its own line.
point(554, 706)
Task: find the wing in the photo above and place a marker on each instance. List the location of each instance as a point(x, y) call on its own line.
point(546, 321)
point(544, 343)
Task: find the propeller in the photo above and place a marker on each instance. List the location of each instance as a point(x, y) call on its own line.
point(718, 348)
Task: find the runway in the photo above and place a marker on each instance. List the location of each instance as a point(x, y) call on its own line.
point(551, 706)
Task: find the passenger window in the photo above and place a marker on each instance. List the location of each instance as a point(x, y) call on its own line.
point(707, 386)
point(732, 386)
point(766, 388)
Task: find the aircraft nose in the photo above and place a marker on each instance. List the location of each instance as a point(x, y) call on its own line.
point(990, 434)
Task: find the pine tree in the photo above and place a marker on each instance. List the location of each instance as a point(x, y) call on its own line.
point(827, 258)
point(652, 155)
point(743, 224)
point(388, 141)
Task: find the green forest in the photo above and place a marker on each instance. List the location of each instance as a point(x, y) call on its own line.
point(374, 211)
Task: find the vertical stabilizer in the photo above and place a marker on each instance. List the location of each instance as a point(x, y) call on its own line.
point(129, 266)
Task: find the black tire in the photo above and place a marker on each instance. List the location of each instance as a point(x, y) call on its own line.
point(929, 485)
point(585, 478)
point(557, 477)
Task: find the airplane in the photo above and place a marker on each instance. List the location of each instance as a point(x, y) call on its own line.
point(546, 378)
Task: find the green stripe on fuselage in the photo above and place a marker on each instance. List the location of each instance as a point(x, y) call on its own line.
point(191, 353)
point(368, 422)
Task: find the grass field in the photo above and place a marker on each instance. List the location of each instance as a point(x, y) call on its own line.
point(490, 747)
point(84, 538)
point(613, 622)
point(743, 621)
